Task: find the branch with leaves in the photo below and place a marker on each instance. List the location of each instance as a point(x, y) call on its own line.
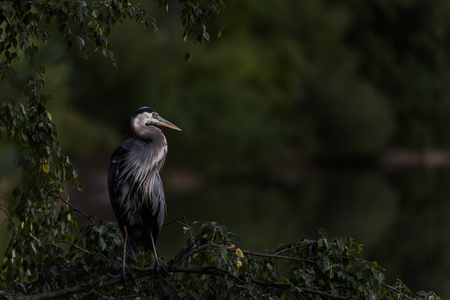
point(211, 265)
point(152, 272)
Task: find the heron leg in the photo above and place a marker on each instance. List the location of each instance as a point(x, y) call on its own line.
point(158, 267)
point(123, 257)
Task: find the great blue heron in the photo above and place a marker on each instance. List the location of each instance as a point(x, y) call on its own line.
point(135, 187)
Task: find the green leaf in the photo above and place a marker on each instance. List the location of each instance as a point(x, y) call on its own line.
point(106, 32)
point(206, 35)
point(254, 293)
point(322, 231)
point(197, 11)
point(102, 243)
point(422, 293)
point(81, 43)
point(323, 265)
point(113, 56)
point(239, 253)
point(223, 230)
point(371, 297)
point(54, 270)
point(48, 20)
point(286, 281)
point(230, 282)
point(16, 192)
point(187, 57)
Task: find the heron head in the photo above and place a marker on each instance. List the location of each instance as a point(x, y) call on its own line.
point(146, 116)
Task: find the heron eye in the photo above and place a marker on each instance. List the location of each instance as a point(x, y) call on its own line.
point(154, 114)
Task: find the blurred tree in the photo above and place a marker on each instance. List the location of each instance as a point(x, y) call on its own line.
point(326, 78)
point(315, 84)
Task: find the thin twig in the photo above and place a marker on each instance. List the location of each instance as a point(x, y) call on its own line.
point(276, 256)
point(214, 234)
point(301, 294)
point(4, 210)
point(75, 208)
point(200, 248)
point(168, 282)
point(189, 227)
point(234, 234)
point(78, 247)
point(176, 264)
point(177, 220)
point(220, 24)
point(395, 290)
point(292, 247)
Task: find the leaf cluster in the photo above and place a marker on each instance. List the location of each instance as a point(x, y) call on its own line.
point(193, 18)
point(21, 23)
point(210, 266)
point(311, 269)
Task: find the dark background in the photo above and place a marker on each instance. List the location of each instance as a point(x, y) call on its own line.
point(304, 114)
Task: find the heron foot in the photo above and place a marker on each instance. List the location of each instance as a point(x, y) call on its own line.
point(160, 270)
point(124, 282)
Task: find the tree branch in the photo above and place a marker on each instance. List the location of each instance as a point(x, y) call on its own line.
point(75, 208)
point(151, 271)
point(234, 234)
point(79, 248)
point(199, 248)
point(248, 252)
point(292, 246)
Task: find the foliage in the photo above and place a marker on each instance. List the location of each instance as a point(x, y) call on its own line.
point(210, 266)
point(36, 227)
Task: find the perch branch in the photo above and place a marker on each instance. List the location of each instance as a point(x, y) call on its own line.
point(152, 271)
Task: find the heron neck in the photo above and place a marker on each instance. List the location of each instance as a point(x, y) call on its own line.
point(146, 133)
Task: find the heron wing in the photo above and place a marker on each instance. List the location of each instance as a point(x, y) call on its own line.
point(155, 221)
point(117, 159)
point(118, 190)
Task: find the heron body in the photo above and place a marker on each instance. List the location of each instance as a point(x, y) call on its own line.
point(135, 186)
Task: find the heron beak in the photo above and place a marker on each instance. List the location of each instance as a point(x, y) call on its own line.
point(158, 120)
